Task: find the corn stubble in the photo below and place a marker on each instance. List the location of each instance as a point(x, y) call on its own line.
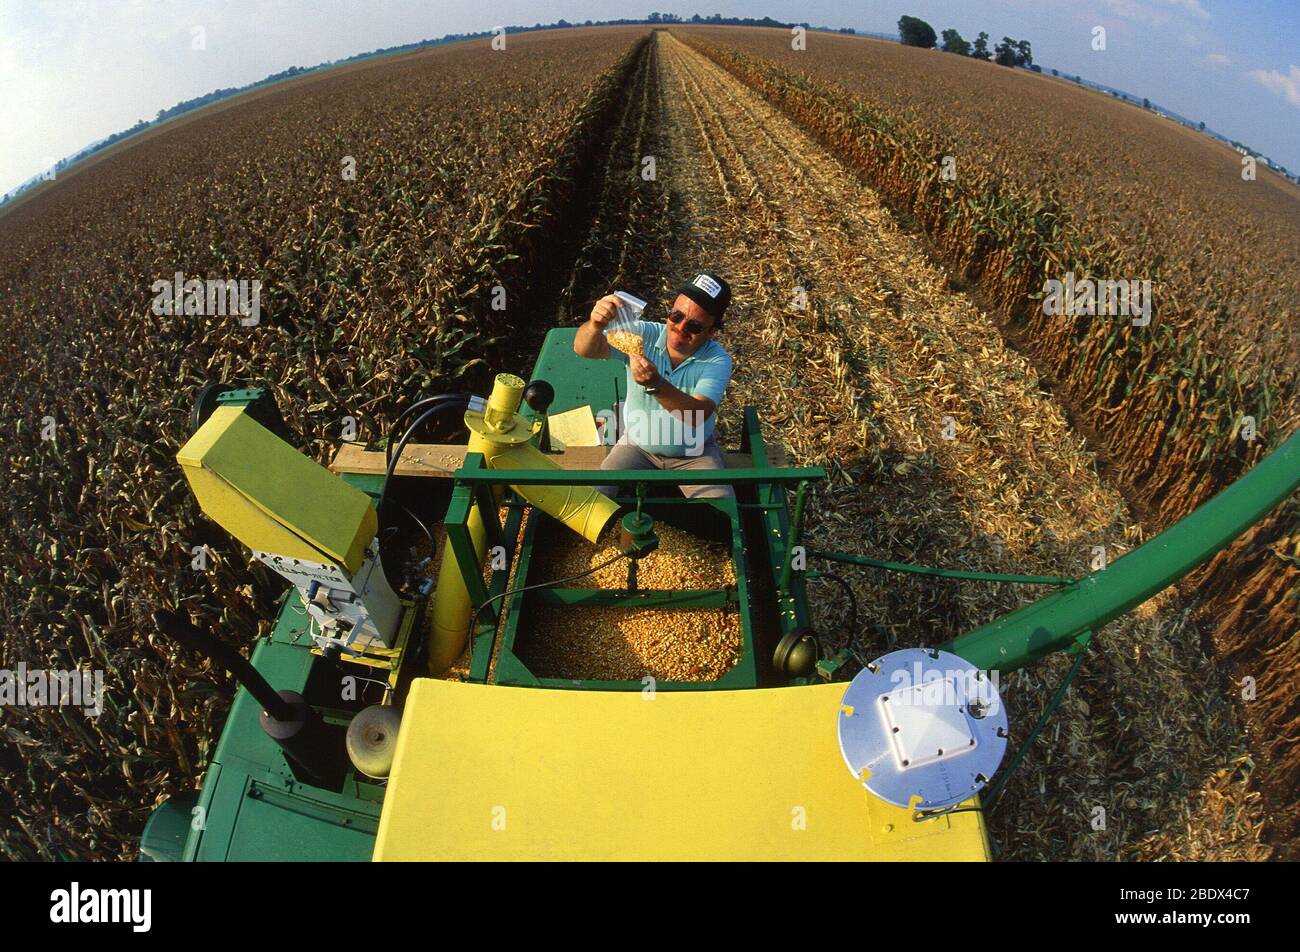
point(1167, 400)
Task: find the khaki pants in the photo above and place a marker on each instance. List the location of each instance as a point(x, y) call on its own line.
point(626, 455)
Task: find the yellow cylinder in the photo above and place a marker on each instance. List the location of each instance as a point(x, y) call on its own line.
point(507, 391)
point(501, 441)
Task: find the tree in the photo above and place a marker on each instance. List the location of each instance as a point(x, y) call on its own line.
point(916, 33)
point(1201, 126)
point(1146, 103)
point(981, 48)
point(1013, 53)
point(953, 43)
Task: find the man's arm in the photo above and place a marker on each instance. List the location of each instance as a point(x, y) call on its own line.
point(669, 397)
point(590, 340)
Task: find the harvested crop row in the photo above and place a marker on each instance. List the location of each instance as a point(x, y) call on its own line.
point(623, 245)
point(1167, 400)
point(858, 380)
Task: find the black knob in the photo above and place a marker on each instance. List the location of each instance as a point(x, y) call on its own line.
point(539, 395)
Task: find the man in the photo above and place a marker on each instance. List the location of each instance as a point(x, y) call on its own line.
point(674, 390)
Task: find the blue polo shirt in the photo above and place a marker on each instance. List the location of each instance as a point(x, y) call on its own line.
point(705, 373)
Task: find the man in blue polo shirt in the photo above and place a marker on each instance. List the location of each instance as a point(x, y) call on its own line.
point(674, 390)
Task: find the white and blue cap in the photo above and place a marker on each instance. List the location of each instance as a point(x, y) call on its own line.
point(710, 292)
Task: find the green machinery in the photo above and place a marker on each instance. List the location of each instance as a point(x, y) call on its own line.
point(348, 742)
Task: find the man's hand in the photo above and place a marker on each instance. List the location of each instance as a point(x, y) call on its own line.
point(605, 310)
point(590, 339)
point(644, 371)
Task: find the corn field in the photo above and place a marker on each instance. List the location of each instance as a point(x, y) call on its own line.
point(1167, 401)
point(389, 207)
point(376, 288)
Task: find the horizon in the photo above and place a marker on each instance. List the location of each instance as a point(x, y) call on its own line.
point(39, 141)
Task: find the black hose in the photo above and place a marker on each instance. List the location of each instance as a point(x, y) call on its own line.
point(853, 608)
point(413, 408)
point(406, 438)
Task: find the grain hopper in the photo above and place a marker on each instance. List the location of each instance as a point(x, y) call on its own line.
point(593, 677)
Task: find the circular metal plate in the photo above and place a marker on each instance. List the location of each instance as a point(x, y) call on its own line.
point(521, 432)
point(921, 727)
point(372, 740)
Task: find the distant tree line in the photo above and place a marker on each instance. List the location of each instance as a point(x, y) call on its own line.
point(217, 95)
point(913, 32)
point(916, 32)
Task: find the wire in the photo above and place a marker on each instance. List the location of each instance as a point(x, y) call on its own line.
point(940, 573)
point(424, 401)
point(996, 787)
point(920, 816)
point(427, 401)
point(406, 438)
point(433, 546)
point(473, 618)
point(854, 634)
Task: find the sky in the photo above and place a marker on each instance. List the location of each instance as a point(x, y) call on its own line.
point(75, 71)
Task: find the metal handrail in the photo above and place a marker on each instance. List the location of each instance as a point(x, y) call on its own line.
point(658, 477)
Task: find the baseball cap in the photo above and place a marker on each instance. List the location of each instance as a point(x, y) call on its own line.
point(708, 291)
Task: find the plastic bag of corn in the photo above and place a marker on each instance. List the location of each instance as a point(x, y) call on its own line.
point(621, 333)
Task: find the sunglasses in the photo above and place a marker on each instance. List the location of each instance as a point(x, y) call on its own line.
point(691, 326)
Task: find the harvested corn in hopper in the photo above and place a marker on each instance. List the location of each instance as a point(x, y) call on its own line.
point(621, 644)
point(617, 644)
point(682, 560)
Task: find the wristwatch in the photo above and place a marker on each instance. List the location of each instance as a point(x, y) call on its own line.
point(651, 389)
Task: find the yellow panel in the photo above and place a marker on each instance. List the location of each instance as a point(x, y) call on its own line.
point(245, 521)
point(490, 772)
point(271, 497)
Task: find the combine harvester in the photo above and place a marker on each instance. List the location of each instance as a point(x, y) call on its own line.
point(782, 757)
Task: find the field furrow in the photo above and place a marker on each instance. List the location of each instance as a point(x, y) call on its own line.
point(865, 376)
